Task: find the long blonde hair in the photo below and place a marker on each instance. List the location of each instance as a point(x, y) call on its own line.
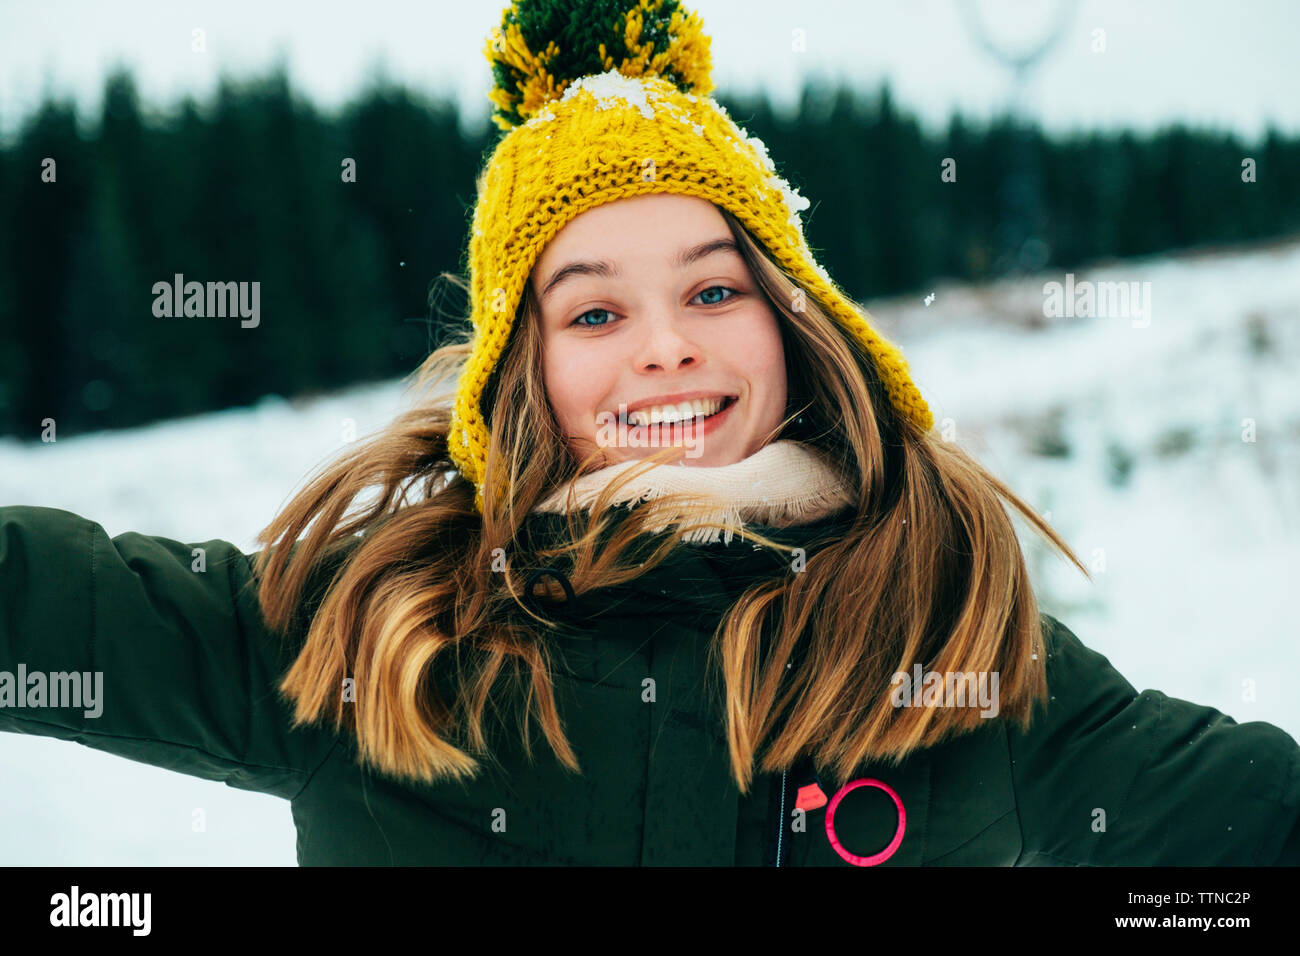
point(929, 572)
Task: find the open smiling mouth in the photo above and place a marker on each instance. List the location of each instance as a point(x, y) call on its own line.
point(697, 421)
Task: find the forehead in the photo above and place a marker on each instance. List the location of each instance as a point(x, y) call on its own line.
point(656, 226)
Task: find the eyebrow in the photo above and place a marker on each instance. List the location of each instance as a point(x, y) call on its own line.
point(607, 269)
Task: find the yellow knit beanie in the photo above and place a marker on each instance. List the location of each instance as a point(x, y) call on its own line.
point(601, 100)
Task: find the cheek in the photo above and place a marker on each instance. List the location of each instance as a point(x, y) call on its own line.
point(574, 385)
point(765, 364)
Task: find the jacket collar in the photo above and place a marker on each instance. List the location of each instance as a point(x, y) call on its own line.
point(698, 577)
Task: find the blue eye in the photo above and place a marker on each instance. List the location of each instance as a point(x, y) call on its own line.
point(591, 312)
point(721, 288)
point(600, 325)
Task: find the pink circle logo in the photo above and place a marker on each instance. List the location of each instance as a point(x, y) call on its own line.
point(888, 851)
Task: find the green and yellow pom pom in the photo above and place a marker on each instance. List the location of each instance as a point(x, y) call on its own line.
point(574, 38)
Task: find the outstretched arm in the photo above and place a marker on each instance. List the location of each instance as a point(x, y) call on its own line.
point(1107, 776)
point(147, 648)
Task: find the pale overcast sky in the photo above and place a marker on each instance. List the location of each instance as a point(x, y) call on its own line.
point(1227, 64)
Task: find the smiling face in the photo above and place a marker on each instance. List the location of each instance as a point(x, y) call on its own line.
point(648, 308)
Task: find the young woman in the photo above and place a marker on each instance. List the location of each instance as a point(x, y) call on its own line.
point(681, 520)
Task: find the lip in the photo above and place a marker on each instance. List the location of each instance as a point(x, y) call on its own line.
point(678, 397)
point(673, 432)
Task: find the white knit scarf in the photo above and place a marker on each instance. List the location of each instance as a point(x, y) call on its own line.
point(784, 483)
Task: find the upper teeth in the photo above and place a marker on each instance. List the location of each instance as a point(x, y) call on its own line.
point(657, 414)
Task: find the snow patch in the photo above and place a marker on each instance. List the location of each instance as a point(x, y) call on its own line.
point(544, 115)
point(612, 90)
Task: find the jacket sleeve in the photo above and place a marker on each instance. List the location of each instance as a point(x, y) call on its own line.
point(164, 646)
point(1107, 776)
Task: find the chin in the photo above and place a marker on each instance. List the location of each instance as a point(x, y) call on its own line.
point(715, 460)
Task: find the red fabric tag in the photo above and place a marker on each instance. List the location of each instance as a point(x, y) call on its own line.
point(810, 798)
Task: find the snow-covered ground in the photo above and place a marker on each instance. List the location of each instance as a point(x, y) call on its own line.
point(1131, 432)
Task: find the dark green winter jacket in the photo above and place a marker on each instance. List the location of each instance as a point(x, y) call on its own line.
point(190, 671)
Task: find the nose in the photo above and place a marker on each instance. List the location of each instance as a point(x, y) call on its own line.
point(666, 348)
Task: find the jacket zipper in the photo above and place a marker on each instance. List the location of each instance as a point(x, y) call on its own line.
point(780, 821)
